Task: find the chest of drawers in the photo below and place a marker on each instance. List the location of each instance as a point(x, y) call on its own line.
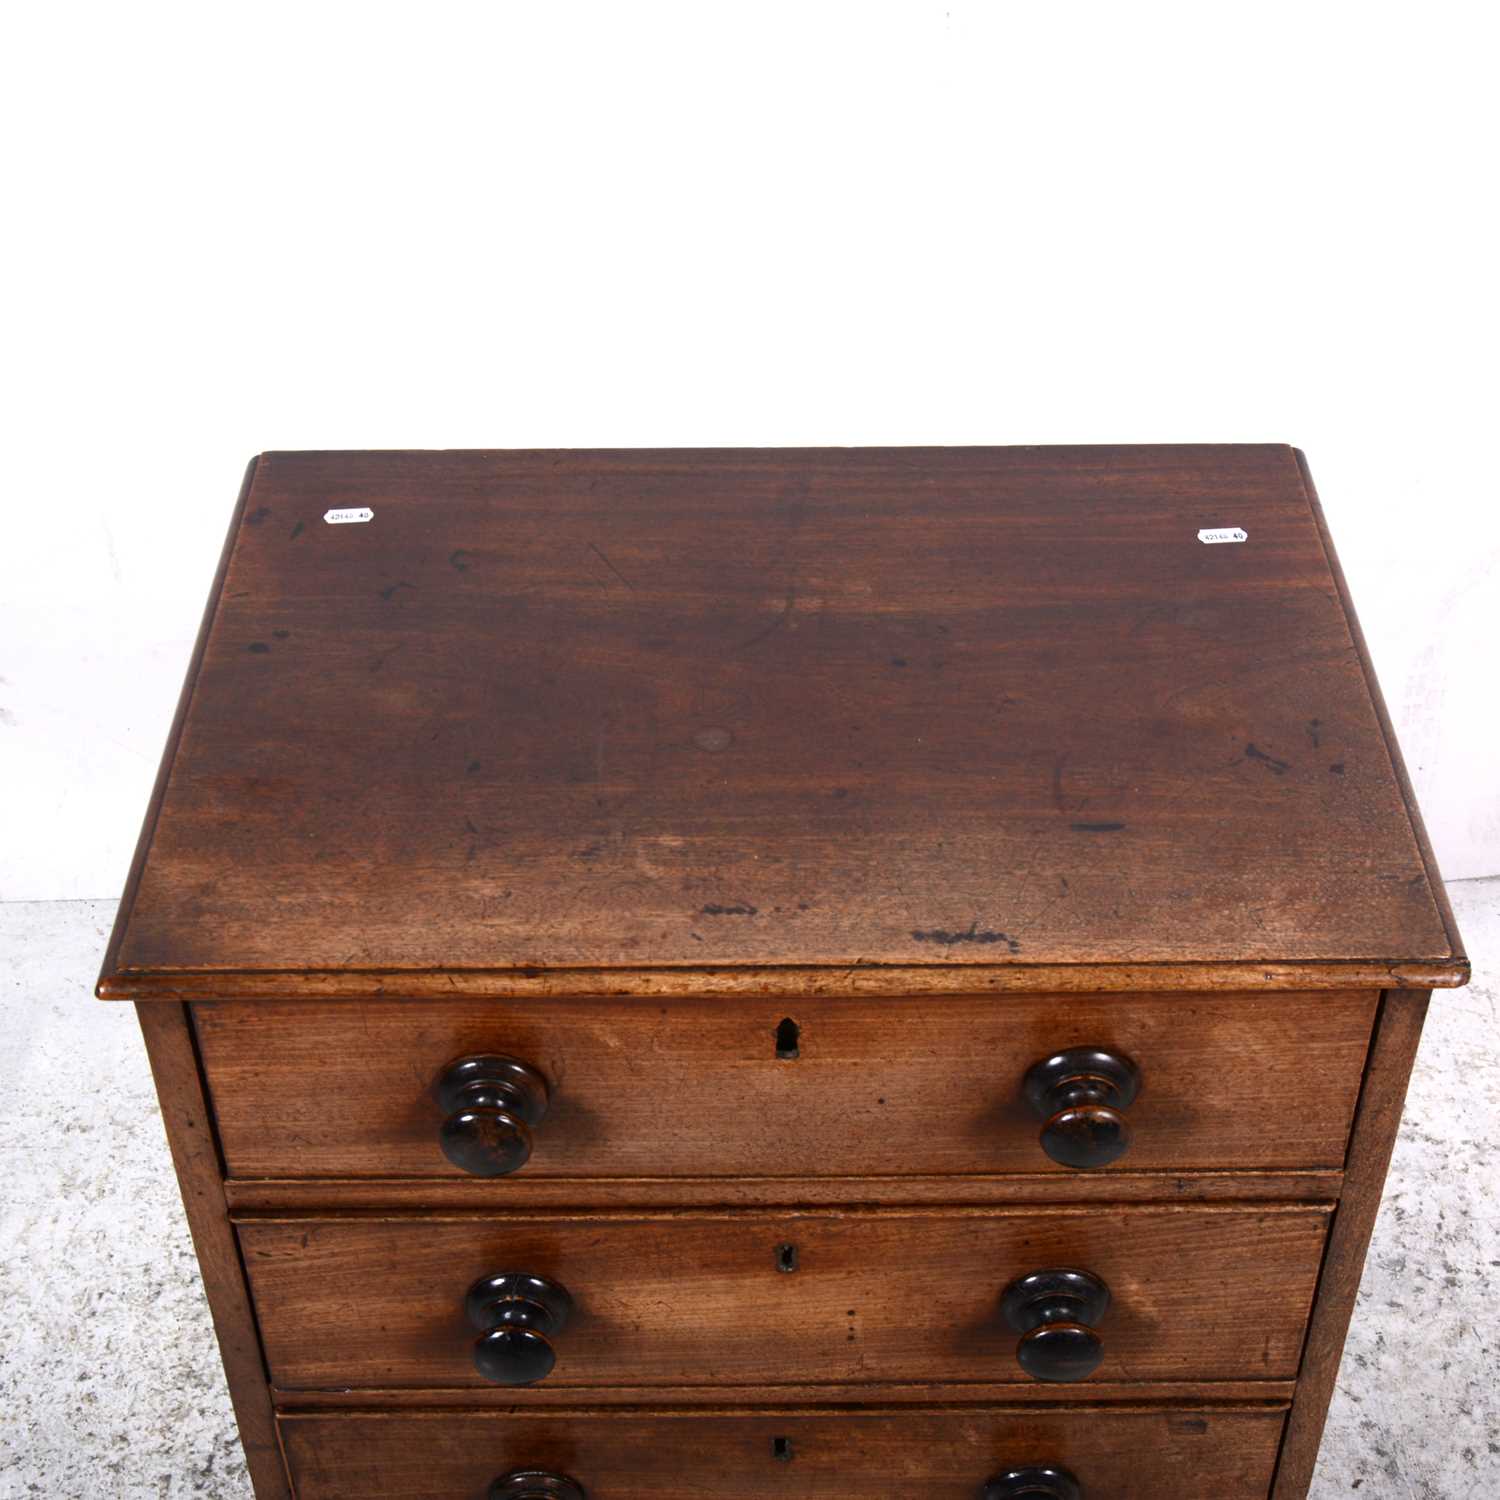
point(795, 973)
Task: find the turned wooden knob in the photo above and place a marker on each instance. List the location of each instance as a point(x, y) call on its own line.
point(519, 1315)
point(1054, 1312)
point(1036, 1482)
point(1080, 1095)
point(536, 1484)
point(491, 1103)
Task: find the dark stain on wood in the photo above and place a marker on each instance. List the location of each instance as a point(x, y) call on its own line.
point(1271, 762)
point(973, 933)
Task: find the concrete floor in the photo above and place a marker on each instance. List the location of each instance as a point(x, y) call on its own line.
point(109, 1378)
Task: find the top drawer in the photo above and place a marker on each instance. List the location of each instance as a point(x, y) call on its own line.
point(746, 1088)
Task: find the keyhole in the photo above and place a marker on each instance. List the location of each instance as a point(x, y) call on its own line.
point(781, 1450)
point(788, 1037)
point(786, 1258)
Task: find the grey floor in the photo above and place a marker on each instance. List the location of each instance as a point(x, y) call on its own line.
point(110, 1383)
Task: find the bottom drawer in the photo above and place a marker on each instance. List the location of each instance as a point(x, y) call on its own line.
point(941, 1454)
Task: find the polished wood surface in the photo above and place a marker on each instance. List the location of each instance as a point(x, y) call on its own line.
point(874, 1455)
point(1081, 1096)
point(1057, 1312)
point(489, 1104)
point(535, 1484)
point(696, 1088)
point(1204, 1293)
point(640, 710)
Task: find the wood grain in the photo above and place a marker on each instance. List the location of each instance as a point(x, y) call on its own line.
point(803, 1396)
point(925, 707)
point(695, 1088)
point(785, 981)
point(1201, 1293)
point(185, 1115)
point(943, 1455)
point(1397, 1034)
point(275, 1195)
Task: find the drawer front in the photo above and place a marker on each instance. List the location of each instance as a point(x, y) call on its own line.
point(754, 1298)
point(746, 1089)
point(940, 1455)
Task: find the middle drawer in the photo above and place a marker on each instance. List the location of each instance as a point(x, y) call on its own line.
point(741, 1298)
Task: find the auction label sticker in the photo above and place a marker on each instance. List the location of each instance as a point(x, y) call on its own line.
point(364, 513)
point(1222, 534)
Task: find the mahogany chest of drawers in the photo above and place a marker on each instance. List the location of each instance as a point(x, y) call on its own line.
point(753, 974)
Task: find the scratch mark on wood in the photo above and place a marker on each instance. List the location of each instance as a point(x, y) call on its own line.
point(612, 568)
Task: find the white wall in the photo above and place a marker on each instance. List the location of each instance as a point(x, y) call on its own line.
point(282, 226)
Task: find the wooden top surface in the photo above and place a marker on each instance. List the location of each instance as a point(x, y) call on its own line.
point(887, 709)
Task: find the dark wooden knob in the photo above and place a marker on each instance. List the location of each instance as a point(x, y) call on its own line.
point(1054, 1311)
point(519, 1315)
point(1081, 1095)
point(491, 1103)
point(536, 1484)
point(1036, 1482)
